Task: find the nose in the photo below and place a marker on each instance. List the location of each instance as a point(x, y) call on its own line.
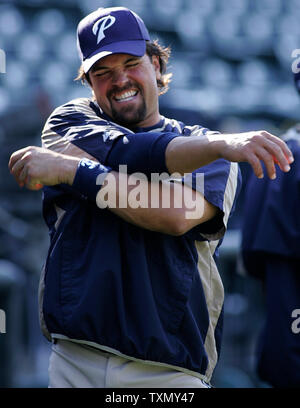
point(119, 77)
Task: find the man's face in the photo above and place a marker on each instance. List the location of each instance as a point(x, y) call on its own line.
point(125, 88)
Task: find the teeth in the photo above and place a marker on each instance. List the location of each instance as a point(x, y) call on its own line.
point(126, 95)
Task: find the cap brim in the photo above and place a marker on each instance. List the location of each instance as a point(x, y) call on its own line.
point(136, 48)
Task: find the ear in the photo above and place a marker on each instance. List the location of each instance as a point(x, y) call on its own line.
point(156, 64)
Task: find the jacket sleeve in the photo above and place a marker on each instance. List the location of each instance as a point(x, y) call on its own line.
point(78, 123)
point(220, 184)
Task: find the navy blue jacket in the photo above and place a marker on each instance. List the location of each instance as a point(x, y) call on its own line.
point(137, 293)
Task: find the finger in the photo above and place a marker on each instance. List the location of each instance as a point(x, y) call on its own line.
point(38, 186)
point(19, 161)
point(30, 182)
point(34, 186)
point(13, 159)
point(268, 160)
point(287, 153)
point(255, 163)
point(274, 146)
point(17, 156)
point(281, 143)
point(17, 168)
point(277, 162)
point(23, 176)
point(278, 156)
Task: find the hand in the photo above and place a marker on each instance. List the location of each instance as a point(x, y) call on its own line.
point(35, 166)
point(254, 147)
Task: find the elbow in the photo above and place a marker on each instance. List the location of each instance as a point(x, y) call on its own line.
point(176, 227)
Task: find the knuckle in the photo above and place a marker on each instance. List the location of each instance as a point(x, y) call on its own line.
point(27, 156)
point(29, 170)
point(278, 150)
point(268, 135)
point(252, 159)
point(265, 156)
point(246, 146)
point(250, 148)
point(282, 145)
point(256, 138)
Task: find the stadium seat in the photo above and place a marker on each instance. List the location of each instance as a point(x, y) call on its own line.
point(66, 49)
point(270, 8)
point(5, 100)
point(203, 8)
point(11, 21)
point(17, 75)
point(216, 73)
point(50, 22)
point(31, 48)
point(233, 7)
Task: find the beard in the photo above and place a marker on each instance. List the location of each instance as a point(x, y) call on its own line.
point(129, 116)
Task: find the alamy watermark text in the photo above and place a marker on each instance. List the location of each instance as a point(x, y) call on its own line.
point(2, 62)
point(296, 323)
point(2, 321)
point(162, 191)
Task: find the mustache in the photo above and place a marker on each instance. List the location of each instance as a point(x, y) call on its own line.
point(116, 89)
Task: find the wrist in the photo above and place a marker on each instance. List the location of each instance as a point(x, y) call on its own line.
point(67, 169)
point(89, 177)
point(216, 146)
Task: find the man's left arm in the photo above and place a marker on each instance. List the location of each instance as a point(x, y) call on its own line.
point(169, 207)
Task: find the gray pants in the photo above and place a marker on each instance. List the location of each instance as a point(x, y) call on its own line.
point(73, 365)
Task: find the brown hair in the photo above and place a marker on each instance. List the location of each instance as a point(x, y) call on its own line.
point(152, 48)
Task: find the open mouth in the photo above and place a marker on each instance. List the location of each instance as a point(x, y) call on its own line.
point(126, 96)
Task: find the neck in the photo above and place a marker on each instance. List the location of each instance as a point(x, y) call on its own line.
point(148, 122)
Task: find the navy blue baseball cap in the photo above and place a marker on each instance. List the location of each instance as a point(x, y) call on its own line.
point(109, 31)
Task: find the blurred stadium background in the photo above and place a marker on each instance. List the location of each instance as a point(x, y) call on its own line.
point(231, 63)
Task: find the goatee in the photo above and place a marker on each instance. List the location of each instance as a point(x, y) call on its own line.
point(129, 116)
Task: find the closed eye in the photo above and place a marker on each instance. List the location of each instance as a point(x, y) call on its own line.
point(102, 73)
point(132, 65)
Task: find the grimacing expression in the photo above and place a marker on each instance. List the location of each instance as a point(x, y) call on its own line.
point(125, 88)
